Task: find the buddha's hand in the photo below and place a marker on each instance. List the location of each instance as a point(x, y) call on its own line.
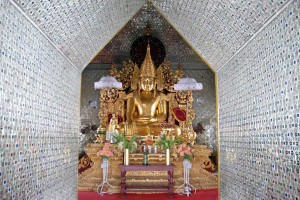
point(143, 120)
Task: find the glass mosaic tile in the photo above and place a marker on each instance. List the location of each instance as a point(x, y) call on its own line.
point(217, 29)
point(259, 114)
point(39, 106)
point(80, 28)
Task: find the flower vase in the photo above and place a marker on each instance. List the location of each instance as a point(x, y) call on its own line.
point(104, 167)
point(187, 165)
point(102, 189)
point(168, 160)
point(126, 156)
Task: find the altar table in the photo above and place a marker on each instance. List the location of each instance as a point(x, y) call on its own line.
point(142, 188)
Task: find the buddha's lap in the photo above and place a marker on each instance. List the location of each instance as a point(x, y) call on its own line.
point(145, 129)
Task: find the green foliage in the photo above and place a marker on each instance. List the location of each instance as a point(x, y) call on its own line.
point(188, 156)
point(101, 132)
point(166, 142)
point(125, 143)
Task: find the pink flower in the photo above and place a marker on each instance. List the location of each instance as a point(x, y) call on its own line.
point(184, 151)
point(109, 153)
point(187, 152)
point(179, 150)
point(106, 151)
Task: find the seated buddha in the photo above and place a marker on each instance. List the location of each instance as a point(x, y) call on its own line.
point(146, 107)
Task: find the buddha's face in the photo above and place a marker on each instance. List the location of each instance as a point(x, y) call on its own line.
point(147, 83)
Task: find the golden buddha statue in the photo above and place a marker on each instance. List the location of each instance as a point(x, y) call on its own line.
point(146, 106)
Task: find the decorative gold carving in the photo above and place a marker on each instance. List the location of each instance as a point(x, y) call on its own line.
point(129, 74)
point(135, 78)
point(169, 79)
point(109, 96)
point(111, 102)
point(125, 75)
point(100, 138)
point(84, 163)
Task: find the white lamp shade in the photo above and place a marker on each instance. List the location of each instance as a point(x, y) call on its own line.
point(108, 82)
point(188, 84)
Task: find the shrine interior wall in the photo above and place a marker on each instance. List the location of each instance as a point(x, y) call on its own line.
point(39, 106)
point(204, 104)
point(259, 114)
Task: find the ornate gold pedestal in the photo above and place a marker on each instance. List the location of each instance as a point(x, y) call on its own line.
point(200, 175)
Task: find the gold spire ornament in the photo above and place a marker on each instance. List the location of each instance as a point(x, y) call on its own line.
point(148, 68)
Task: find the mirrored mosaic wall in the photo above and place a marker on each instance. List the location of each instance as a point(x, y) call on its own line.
point(204, 104)
point(80, 28)
point(39, 114)
point(259, 114)
point(217, 29)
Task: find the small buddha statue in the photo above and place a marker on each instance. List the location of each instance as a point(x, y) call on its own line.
point(146, 106)
point(111, 130)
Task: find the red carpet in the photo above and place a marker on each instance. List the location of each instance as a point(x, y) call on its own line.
point(200, 194)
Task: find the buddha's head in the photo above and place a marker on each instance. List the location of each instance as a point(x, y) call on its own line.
point(147, 73)
point(147, 83)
